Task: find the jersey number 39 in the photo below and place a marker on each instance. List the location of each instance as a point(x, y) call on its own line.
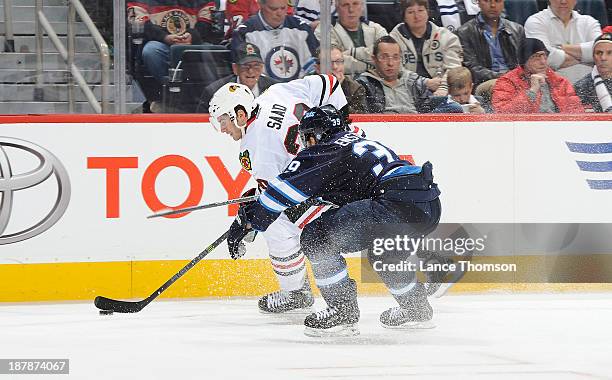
point(360, 148)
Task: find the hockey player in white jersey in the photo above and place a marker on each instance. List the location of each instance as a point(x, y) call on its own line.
point(267, 128)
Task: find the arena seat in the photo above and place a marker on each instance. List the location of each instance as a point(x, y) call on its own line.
point(594, 8)
point(202, 65)
point(384, 12)
point(519, 10)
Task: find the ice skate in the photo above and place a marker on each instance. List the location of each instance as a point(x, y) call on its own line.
point(414, 311)
point(333, 322)
point(294, 302)
point(408, 319)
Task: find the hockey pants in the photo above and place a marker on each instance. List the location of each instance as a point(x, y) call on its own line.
point(348, 229)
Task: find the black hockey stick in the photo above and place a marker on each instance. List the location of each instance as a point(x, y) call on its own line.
point(203, 207)
point(104, 303)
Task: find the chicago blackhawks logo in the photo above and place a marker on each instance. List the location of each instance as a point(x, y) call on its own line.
point(245, 160)
point(282, 63)
point(175, 22)
point(250, 49)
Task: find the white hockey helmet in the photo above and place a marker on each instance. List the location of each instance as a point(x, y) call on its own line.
point(227, 99)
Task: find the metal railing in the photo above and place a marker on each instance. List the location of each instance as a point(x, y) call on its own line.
point(119, 55)
point(9, 39)
point(325, 18)
point(42, 22)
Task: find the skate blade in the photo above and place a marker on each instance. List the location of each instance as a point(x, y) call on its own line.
point(305, 311)
point(338, 331)
point(412, 326)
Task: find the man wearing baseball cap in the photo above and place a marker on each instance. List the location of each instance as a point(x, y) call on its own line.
point(248, 70)
point(594, 89)
point(533, 87)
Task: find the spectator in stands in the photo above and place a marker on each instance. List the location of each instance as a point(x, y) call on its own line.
point(236, 13)
point(167, 23)
point(568, 36)
point(354, 92)
point(490, 45)
point(248, 70)
point(533, 87)
point(390, 88)
point(309, 11)
point(460, 98)
point(451, 14)
point(354, 35)
point(287, 45)
point(595, 88)
point(427, 49)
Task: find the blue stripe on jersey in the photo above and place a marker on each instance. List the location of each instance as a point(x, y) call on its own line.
point(449, 12)
point(309, 64)
point(271, 204)
point(287, 191)
point(402, 170)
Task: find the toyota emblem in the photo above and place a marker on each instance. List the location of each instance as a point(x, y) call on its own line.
point(11, 182)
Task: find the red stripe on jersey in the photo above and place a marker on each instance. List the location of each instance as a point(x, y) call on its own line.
point(289, 266)
point(331, 83)
point(311, 216)
point(250, 121)
point(262, 184)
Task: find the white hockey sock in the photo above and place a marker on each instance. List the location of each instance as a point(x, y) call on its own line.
point(290, 271)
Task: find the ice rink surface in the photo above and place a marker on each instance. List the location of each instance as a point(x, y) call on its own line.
point(507, 336)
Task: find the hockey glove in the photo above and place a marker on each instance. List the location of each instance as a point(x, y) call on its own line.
point(250, 237)
point(238, 231)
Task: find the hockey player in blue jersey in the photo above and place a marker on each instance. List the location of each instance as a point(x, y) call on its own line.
point(371, 186)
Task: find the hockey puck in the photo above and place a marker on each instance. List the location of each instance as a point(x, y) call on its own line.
point(106, 312)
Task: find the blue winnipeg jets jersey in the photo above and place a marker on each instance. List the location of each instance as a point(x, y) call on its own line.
point(342, 169)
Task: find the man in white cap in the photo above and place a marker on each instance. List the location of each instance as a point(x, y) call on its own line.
point(595, 88)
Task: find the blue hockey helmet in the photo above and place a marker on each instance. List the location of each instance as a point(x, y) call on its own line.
point(320, 122)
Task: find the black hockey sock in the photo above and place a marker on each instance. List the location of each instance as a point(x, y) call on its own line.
point(340, 294)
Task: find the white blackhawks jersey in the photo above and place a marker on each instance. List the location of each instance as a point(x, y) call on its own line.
point(271, 138)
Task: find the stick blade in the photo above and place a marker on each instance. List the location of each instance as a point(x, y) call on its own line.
point(160, 213)
point(118, 306)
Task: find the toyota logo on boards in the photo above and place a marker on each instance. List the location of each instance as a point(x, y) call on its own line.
point(12, 182)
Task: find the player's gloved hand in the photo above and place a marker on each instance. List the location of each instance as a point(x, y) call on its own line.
point(249, 193)
point(250, 237)
point(237, 233)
